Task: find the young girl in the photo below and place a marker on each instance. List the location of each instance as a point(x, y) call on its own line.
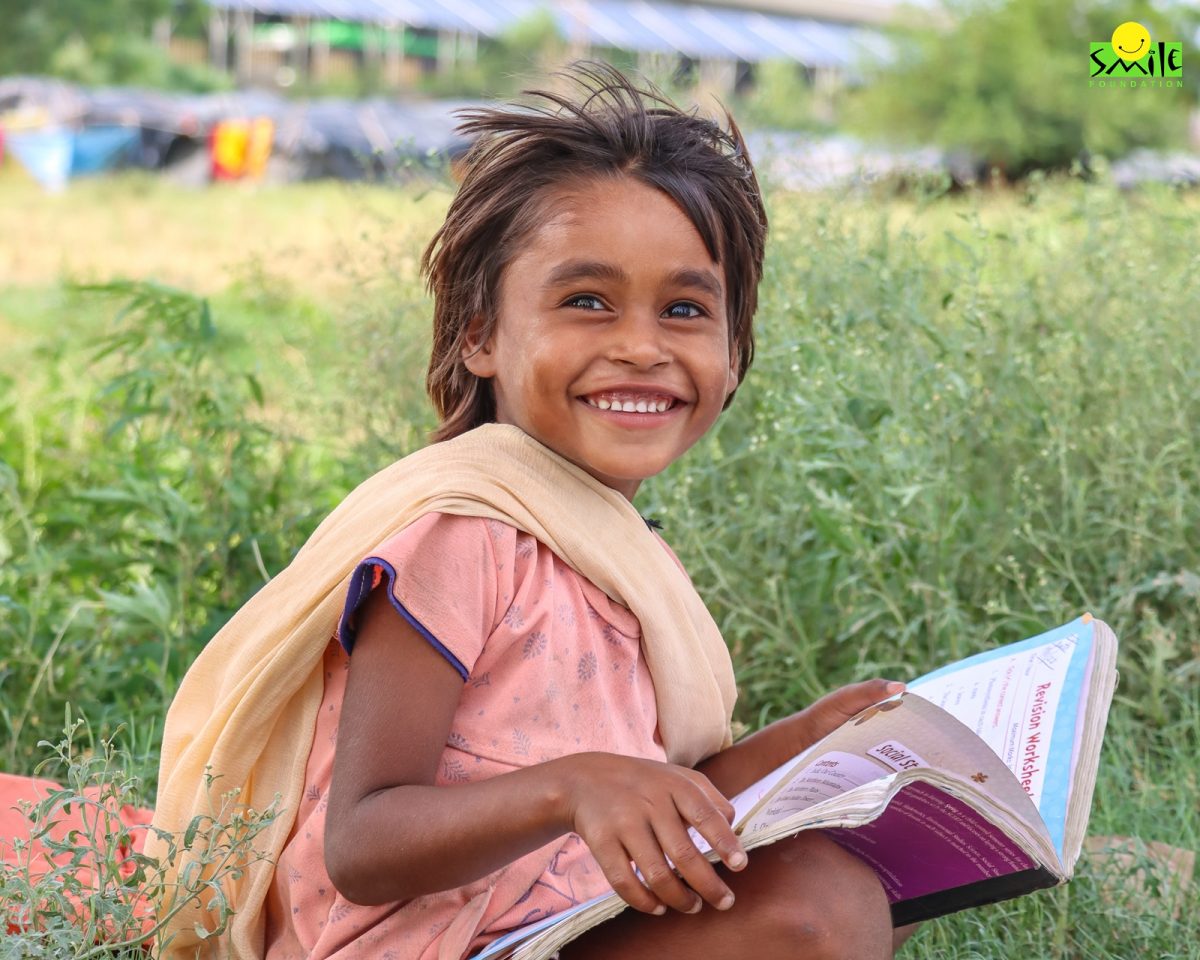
point(523, 698)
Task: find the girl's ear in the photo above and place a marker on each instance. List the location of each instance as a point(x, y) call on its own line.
point(732, 383)
point(477, 354)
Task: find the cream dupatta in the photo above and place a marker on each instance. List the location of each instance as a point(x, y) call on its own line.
point(246, 708)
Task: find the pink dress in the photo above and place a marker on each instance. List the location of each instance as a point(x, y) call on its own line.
point(550, 666)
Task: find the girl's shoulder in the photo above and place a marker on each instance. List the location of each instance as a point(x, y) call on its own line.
point(447, 532)
point(448, 575)
point(465, 550)
point(458, 579)
point(529, 573)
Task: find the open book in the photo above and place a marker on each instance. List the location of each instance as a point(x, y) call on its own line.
point(972, 786)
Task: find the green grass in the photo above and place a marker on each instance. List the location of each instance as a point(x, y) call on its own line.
point(970, 418)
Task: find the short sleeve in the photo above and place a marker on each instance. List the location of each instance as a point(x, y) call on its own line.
point(443, 577)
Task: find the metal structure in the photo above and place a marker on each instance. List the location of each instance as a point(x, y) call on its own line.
point(700, 32)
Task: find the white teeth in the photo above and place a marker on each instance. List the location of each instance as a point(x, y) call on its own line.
point(631, 406)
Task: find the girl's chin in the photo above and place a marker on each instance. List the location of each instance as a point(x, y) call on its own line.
point(625, 478)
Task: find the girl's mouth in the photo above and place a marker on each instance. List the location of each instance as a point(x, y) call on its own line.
point(631, 403)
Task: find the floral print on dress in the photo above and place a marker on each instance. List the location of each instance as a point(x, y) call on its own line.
point(535, 645)
point(454, 771)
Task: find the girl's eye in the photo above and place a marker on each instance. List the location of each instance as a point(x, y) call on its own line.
point(589, 301)
point(584, 297)
point(696, 311)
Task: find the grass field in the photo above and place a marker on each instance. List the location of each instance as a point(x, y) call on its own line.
point(970, 417)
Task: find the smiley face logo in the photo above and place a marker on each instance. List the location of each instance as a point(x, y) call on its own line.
point(1131, 41)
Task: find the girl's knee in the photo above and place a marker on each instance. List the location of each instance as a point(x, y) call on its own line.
point(799, 899)
point(826, 902)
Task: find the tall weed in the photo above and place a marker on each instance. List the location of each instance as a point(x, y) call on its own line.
point(78, 886)
point(136, 514)
point(952, 439)
point(969, 418)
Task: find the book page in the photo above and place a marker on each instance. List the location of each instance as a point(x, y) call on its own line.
point(904, 733)
point(1025, 702)
point(828, 776)
point(504, 945)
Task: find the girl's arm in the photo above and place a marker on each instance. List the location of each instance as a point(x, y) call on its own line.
point(391, 835)
point(735, 768)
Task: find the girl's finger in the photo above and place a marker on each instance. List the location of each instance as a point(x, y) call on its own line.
point(692, 865)
point(713, 796)
point(615, 863)
point(659, 876)
point(712, 822)
point(845, 702)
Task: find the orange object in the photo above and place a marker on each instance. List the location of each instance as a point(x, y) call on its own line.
point(241, 148)
point(227, 149)
point(258, 147)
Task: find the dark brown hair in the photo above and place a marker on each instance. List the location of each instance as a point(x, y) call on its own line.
point(614, 128)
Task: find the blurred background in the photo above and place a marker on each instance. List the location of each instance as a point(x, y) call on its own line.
point(287, 90)
point(971, 417)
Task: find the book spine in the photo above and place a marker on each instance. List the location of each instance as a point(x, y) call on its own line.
point(977, 894)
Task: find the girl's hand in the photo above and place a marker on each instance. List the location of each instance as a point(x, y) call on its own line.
point(737, 767)
point(628, 809)
point(832, 710)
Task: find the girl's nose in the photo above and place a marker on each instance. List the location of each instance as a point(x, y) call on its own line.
point(639, 338)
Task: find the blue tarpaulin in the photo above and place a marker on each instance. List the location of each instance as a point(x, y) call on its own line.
point(53, 154)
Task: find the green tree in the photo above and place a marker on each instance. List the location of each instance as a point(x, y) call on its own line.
point(780, 100)
point(524, 51)
point(1008, 82)
point(96, 41)
point(35, 32)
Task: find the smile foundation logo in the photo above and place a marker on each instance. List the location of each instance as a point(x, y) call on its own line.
point(1132, 60)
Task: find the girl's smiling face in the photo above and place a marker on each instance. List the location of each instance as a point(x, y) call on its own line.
point(613, 302)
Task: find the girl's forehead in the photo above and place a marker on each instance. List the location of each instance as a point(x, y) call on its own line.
point(601, 211)
point(565, 204)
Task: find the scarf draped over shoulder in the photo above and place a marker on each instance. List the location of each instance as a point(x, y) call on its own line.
point(246, 709)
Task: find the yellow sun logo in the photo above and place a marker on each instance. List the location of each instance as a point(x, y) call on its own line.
point(1131, 41)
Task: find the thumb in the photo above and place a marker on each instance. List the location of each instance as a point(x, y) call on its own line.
point(835, 708)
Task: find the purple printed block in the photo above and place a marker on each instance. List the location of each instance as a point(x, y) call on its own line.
point(927, 841)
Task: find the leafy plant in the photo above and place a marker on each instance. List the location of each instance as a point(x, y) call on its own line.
point(967, 419)
point(150, 517)
point(79, 886)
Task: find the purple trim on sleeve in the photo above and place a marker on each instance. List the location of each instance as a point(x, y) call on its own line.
point(360, 585)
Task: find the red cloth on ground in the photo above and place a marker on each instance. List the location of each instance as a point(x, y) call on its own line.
point(40, 859)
